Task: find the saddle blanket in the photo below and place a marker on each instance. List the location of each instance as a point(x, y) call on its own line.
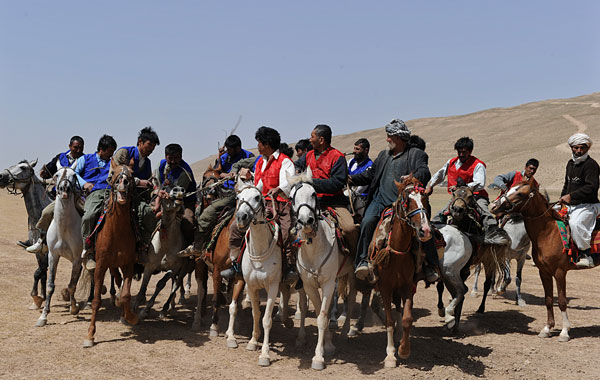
point(570, 248)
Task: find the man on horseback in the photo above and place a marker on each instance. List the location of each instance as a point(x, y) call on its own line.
point(505, 181)
point(580, 195)
point(472, 171)
point(92, 174)
point(207, 219)
point(63, 159)
point(390, 165)
point(270, 177)
point(358, 164)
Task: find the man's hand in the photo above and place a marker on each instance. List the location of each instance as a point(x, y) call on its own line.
point(88, 186)
point(565, 199)
point(452, 188)
point(245, 174)
point(221, 151)
point(144, 183)
point(428, 190)
point(227, 175)
point(163, 194)
point(273, 192)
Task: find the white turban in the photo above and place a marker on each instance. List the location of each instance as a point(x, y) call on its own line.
point(397, 127)
point(580, 138)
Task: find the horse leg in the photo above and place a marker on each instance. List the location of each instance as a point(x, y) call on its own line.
point(360, 322)
point(37, 300)
point(376, 306)
point(407, 321)
point(140, 298)
point(440, 304)
point(390, 350)
point(518, 279)
point(214, 326)
point(75, 274)
point(333, 320)
point(200, 273)
point(489, 280)
point(129, 316)
point(188, 285)
point(176, 282)
point(53, 264)
point(349, 305)
point(238, 289)
point(475, 289)
point(264, 358)
point(284, 301)
point(298, 314)
point(549, 300)
point(255, 301)
point(318, 361)
point(507, 279)
point(561, 288)
point(460, 299)
point(98, 282)
point(303, 308)
point(116, 279)
point(159, 286)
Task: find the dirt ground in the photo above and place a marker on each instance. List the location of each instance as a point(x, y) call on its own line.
point(502, 344)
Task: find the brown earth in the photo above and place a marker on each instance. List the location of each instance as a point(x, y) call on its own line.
point(502, 344)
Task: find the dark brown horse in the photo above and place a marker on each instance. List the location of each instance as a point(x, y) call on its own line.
point(115, 246)
point(395, 262)
point(547, 247)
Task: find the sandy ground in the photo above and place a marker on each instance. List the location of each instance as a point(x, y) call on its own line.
point(502, 344)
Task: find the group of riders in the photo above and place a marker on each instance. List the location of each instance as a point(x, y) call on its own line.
point(356, 192)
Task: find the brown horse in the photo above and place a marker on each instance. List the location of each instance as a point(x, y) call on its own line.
point(115, 246)
point(547, 248)
point(395, 262)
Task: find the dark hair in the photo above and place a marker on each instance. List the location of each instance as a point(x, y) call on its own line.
point(233, 141)
point(417, 142)
point(79, 139)
point(324, 131)
point(148, 134)
point(533, 162)
point(464, 142)
point(364, 143)
point(106, 142)
point(268, 136)
point(304, 144)
point(286, 149)
point(172, 149)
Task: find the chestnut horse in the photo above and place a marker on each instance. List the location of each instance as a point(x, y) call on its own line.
point(547, 247)
point(115, 246)
point(395, 262)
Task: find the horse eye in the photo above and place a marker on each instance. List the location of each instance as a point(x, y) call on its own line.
point(256, 198)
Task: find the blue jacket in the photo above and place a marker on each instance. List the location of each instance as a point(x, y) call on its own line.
point(144, 172)
point(174, 174)
point(93, 173)
point(227, 162)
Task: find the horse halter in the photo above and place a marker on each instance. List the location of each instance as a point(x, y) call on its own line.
point(401, 208)
point(503, 199)
point(255, 211)
point(15, 179)
point(126, 175)
point(74, 184)
point(315, 211)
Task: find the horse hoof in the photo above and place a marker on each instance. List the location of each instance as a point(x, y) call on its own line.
point(389, 363)
point(87, 306)
point(521, 302)
point(442, 313)
point(74, 310)
point(353, 331)
point(251, 347)
point(450, 325)
point(37, 301)
point(88, 343)
point(65, 294)
point(41, 322)
point(162, 315)
point(297, 316)
point(563, 338)
point(473, 294)
point(318, 365)
point(300, 343)
point(33, 306)
point(213, 332)
point(264, 362)
point(103, 289)
point(333, 325)
point(288, 323)
point(543, 334)
point(232, 343)
point(403, 356)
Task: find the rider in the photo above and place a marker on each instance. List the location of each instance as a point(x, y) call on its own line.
point(505, 181)
point(472, 171)
point(580, 194)
point(302, 147)
point(390, 165)
point(358, 164)
point(207, 219)
point(64, 159)
point(92, 174)
point(270, 177)
point(174, 171)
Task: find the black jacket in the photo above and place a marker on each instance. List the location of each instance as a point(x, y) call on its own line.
point(581, 181)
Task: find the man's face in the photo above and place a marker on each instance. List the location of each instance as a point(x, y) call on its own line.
point(316, 141)
point(530, 171)
point(233, 151)
point(146, 147)
point(394, 141)
point(300, 152)
point(76, 149)
point(262, 149)
point(580, 150)
point(173, 160)
point(360, 153)
point(106, 154)
point(464, 154)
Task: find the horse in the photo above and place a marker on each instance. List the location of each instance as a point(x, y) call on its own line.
point(395, 263)
point(261, 263)
point(547, 247)
point(115, 246)
point(320, 262)
point(167, 240)
point(20, 179)
point(64, 236)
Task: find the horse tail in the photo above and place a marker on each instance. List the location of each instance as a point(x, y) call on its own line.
point(343, 286)
point(84, 286)
point(495, 258)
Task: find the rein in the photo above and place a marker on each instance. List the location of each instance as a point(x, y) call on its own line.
point(14, 180)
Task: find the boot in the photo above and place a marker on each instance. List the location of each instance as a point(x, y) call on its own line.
point(24, 243)
point(290, 275)
point(431, 261)
point(233, 271)
point(362, 270)
point(88, 257)
point(39, 246)
point(585, 260)
point(195, 249)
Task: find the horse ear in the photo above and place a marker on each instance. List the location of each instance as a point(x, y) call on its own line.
point(113, 165)
point(309, 173)
point(33, 163)
point(399, 185)
point(240, 185)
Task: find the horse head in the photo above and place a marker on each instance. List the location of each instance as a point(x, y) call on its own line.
point(304, 202)
point(19, 176)
point(121, 182)
point(209, 178)
point(461, 201)
point(66, 181)
point(250, 204)
point(515, 199)
point(411, 206)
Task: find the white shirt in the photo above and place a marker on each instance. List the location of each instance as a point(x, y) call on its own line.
point(478, 176)
point(287, 167)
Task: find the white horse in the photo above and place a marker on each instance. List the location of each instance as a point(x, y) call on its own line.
point(261, 265)
point(64, 236)
point(320, 262)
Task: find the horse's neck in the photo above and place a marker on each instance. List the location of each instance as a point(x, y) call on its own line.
point(36, 198)
point(314, 253)
point(539, 222)
point(400, 236)
point(118, 215)
point(65, 211)
point(261, 236)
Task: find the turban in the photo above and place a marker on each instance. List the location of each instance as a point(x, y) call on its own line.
point(580, 138)
point(397, 127)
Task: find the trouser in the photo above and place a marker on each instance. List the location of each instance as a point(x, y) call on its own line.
point(284, 219)
point(94, 204)
point(207, 219)
point(350, 231)
point(48, 214)
point(146, 219)
point(367, 228)
point(582, 219)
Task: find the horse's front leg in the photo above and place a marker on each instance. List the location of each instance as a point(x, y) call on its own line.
point(284, 307)
point(561, 287)
point(518, 279)
point(318, 361)
point(53, 264)
point(440, 304)
point(328, 288)
point(489, 280)
point(390, 349)
point(75, 274)
point(200, 273)
point(99, 273)
point(159, 286)
point(140, 299)
point(129, 316)
point(255, 301)
point(407, 321)
point(238, 289)
point(549, 300)
point(303, 306)
point(349, 304)
point(475, 281)
point(264, 358)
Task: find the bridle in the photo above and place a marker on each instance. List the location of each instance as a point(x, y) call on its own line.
point(14, 180)
point(255, 211)
point(315, 211)
point(74, 183)
point(401, 206)
point(456, 197)
point(522, 204)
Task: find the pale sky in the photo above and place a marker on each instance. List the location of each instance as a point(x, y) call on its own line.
point(191, 68)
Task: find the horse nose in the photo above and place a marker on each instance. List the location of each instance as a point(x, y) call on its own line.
point(310, 220)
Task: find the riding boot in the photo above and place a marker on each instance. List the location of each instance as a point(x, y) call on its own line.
point(195, 249)
point(585, 260)
point(39, 246)
point(88, 257)
point(290, 275)
point(24, 243)
point(232, 272)
point(431, 261)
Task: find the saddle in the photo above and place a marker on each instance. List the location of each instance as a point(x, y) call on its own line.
point(331, 215)
point(569, 246)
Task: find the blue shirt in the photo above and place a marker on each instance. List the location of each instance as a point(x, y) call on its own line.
point(226, 163)
point(93, 169)
point(145, 172)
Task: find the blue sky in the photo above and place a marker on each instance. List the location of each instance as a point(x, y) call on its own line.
point(191, 68)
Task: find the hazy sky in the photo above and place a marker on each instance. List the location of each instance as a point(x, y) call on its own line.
point(191, 68)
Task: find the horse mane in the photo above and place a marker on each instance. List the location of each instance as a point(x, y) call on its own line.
point(298, 178)
point(408, 180)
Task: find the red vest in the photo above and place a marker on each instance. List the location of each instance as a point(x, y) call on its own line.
point(270, 176)
point(321, 167)
point(465, 172)
point(519, 178)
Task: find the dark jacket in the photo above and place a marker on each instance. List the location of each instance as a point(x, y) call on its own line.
point(417, 164)
point(581, 181)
